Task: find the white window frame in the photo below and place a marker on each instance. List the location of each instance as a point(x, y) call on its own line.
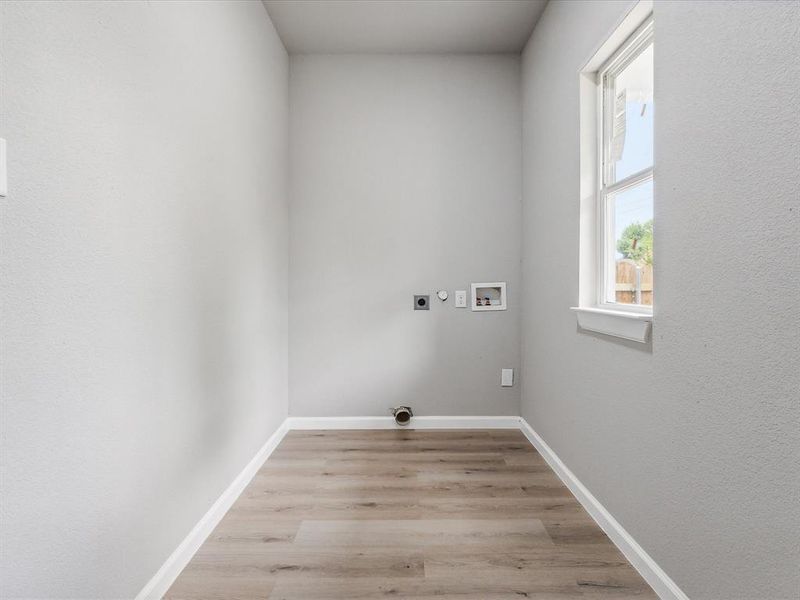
point(628, 321)
point(606, 242)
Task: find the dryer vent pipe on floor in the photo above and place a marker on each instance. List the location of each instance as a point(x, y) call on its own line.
point(402, 415)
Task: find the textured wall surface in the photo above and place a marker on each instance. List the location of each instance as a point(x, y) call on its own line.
point(692, 442)
point(143, 263)
point(405, 179)
point(144, 260)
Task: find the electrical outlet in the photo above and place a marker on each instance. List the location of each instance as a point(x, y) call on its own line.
point(461, 298)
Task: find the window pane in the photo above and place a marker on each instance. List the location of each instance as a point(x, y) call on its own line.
point(631, 212)
point(631, 112)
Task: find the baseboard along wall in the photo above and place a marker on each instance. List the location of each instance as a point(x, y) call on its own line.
point(510, 422)
point(655, 576)
point(177, 561)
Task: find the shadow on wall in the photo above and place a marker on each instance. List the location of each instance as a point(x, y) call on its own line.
point(646, 348)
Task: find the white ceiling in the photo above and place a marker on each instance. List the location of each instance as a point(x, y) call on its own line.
point(446, 26)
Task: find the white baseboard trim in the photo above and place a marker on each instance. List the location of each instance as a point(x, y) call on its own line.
point(176, 562)
point(510, 422)
point(654, 575)
point(641, 561)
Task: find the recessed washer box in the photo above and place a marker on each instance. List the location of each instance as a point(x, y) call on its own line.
point(489, 296)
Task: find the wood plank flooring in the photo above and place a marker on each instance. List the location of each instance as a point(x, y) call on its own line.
point(467, 514)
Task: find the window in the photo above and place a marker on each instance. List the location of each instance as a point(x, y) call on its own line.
point(617, 112)
point(625, 176)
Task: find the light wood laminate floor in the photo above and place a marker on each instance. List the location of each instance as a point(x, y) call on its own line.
point(448, 514)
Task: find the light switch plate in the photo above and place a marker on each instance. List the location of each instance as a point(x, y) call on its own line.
point(461, 298)
point(507, 377)
point(3, 170)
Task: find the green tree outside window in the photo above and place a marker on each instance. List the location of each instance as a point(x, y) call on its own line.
point(636, 242)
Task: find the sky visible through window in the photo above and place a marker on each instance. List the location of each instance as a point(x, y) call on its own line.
point(636, 204)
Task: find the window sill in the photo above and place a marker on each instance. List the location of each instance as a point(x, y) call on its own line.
point(627, 325)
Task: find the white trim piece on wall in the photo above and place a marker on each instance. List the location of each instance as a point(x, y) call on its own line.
point(641, 561)
point(177, 561)
point(627, 325)
point(433, 422)
point(654, 575)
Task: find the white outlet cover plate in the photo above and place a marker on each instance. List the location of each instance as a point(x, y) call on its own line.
point(507, 377)
point(461, 298)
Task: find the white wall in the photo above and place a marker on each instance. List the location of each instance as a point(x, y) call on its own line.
point(405, 179)
point(144, 265)
point(692, 442)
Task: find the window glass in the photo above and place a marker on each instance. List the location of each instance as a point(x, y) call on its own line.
point(631, 214)
point(632, 112)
